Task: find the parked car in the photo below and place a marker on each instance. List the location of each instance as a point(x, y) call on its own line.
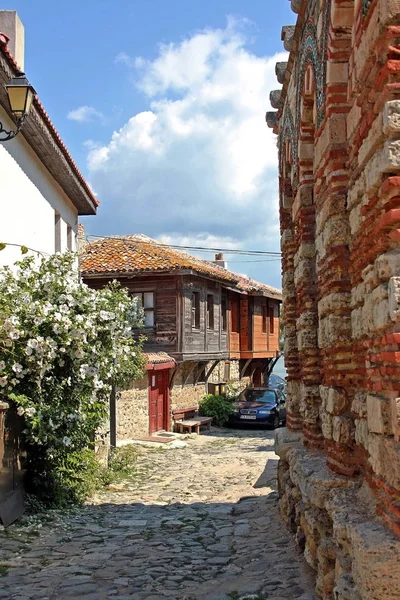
point(260, 406)
point(275, 382)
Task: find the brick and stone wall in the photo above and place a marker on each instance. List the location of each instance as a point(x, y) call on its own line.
point(337, 119)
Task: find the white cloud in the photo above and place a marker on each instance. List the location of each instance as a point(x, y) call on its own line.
point(85, 114)
point(200, 164)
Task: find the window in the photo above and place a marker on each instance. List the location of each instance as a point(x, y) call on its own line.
point(146, 301)
point(224, 312)
point(235, 312)
point(271, 320)
point(69, 237)
point(57, 232)
point(196, 310)
point(264, 318)
point(210, 311)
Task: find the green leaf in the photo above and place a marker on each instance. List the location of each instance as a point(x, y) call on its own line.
point(24, 250)
point(2, 246)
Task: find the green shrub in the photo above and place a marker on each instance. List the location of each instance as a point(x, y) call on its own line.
point(217, 407)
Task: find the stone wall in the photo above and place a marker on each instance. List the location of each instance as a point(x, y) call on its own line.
point(132, 407)
point(337, 118)
point(132, 404)
point(186, 393)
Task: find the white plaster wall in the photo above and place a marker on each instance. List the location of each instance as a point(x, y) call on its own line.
point(29, 198)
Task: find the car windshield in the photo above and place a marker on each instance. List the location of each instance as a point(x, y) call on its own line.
point(267, 396)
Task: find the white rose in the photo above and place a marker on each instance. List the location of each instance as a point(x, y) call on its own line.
point(20, 411)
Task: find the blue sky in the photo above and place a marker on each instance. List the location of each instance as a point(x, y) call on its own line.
point(162, 106)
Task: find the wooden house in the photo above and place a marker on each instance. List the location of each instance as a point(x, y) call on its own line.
point(188, 321)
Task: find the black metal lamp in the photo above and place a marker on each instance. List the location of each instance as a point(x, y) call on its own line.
point(20, 95)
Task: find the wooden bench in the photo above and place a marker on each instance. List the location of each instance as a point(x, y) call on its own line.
point(188, 419)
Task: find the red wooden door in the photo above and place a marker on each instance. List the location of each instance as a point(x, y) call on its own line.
point(158, 400)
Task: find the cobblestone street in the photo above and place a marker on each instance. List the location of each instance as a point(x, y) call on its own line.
point(199, 522)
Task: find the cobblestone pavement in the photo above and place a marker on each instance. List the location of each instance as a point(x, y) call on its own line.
point(200, 522)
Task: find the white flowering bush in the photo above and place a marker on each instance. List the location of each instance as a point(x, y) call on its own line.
point(62, 347)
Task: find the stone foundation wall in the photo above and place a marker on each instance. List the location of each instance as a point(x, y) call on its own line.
point(132, 407)
point(132, 404)
point(354, 555)
point(185, 395)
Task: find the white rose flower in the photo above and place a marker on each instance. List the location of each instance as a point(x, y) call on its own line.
point(67, 441)
point(30, 411)
point(3, 381)
point(2, 365)
point(17, 368)
point(28, 351)
point(20, 411)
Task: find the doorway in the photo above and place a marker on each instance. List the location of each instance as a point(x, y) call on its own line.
point(159, 400)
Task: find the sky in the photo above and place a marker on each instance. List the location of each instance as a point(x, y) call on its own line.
point(162, 105)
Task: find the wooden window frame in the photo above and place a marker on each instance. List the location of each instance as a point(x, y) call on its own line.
point(264, 313)
point(224, 313)
point(235, 315)
point(271, 320)
point(151, 309)
point(195, 302)
point(210, 312)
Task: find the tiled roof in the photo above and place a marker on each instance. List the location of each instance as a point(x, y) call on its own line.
point(246, 284)
point(138, 254)
point(158, 358)
point(46, 119)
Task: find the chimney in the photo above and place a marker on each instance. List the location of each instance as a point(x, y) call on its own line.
point(219, 260)
point(81, 239)
point(11, 25)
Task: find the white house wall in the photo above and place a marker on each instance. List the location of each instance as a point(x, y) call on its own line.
point(29, 200)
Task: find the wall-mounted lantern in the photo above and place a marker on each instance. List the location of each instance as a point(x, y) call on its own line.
point(20, 95)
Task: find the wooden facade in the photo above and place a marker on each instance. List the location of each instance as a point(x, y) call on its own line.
point(253, 326)
point(175, 330)
point(198, 319)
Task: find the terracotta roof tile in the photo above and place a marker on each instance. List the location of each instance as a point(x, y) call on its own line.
point(158, 358)
point(138, 254)
point(246, 284)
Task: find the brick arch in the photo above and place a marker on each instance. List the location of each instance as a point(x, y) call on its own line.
point(288, 133)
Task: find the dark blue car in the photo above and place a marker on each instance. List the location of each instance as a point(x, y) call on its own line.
point(260, 406)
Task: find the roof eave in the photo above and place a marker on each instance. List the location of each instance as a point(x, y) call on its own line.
point(41, 135)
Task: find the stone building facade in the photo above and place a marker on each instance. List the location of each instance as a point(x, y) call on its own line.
point(338, 124)
point(132, 414)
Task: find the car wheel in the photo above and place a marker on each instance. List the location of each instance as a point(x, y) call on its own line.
point(276, 421)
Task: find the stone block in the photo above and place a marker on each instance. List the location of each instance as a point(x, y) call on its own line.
point(333, 330)
point(286, 440)
point(391, 117)
point(336, 401)
point(379, 414)
point(307, 339)
point(394, 299)
point(361, 432)
point(343, 430)
point(388, 265)
point(359, 404)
